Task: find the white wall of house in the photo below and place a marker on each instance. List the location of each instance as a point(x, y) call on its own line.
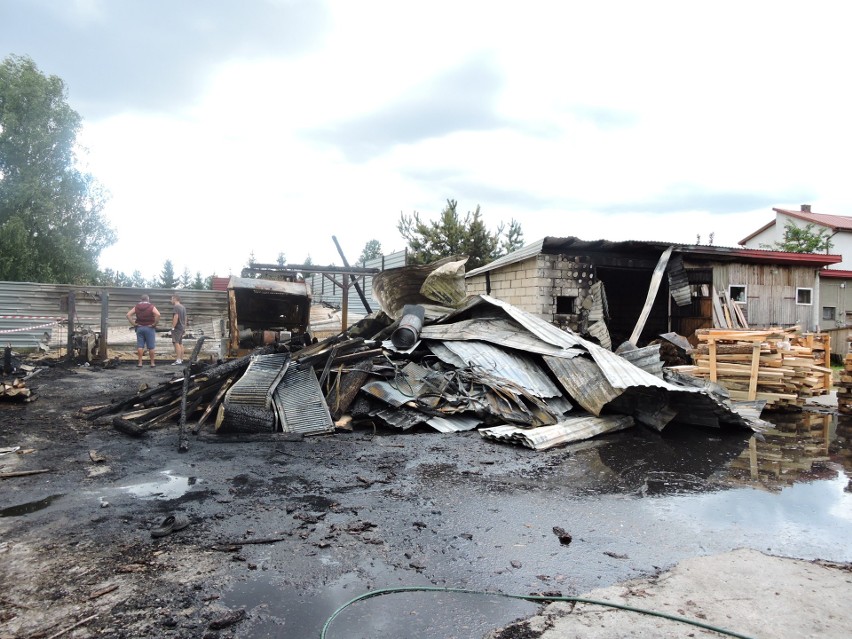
point(841, 242)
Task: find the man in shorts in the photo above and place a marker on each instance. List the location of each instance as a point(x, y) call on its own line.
point(144, 316)
point(178, 328)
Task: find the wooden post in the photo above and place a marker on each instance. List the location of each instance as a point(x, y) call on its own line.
point(755, 364)
point(72, 311)
point(711, 343)
point(344, 314)
point(234, 341)
point(103, 344)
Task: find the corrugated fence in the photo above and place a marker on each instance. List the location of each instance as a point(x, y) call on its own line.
point(31, 313)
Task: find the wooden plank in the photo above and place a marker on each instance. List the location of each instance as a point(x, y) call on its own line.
point(712, 360)
point(755, 363)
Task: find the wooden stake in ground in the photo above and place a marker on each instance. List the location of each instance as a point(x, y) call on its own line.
point(183, 443)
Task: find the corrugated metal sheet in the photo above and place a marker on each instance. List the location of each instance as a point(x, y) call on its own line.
point(499, 331)
point(411, 382)
point(514, 367)
point(259, 380)
point(454, 423)
point(584, 381)
point(647, 358)
point(26, 306)
point(567, 431)
point(300, 405)
point(679, 282)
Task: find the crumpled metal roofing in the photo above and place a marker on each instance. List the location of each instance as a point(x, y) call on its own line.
point(570, 430)
point(496, 330)
point(407, 386)
point(514, 367)
point(593, 389)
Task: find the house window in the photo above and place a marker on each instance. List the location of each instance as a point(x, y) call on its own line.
point(566, 304)
point(829, 312)
point(803, 296)
point(737, 293)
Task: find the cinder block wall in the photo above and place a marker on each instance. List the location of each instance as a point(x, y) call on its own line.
point(534, 285)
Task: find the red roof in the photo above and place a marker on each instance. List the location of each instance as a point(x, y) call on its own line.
point(834, 222)
point(836, 274)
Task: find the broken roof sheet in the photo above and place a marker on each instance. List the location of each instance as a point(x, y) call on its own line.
point(515, 367)
point(569, 430)
point(496, 330)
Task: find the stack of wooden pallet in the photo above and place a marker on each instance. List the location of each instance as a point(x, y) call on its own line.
point(844, 388)
point(781, 366)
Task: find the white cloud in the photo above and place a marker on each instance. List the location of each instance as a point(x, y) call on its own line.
point(661, 120)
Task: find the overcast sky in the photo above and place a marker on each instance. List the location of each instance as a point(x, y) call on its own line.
point(223, 128)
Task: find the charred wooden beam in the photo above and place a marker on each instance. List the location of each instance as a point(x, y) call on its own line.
point(346, 388)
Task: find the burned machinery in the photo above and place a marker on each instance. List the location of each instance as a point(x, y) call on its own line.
point(263, 312)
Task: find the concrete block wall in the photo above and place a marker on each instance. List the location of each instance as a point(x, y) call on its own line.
point(534, 284)
point(568, 276)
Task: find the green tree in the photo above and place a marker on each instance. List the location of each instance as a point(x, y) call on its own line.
point(372, 250)
point(281, 260)
point(198, 282)
point(51, 223)
point(453, 235)
point(185, 278)
point(108, 277)
point(805, 239)
point(137, 281)
point(167, 276)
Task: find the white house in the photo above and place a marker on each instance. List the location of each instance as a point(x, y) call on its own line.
point(838, 227)
point(834, 298)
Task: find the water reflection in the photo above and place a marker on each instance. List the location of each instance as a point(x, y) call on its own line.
point(800, 447)
point(173, 487)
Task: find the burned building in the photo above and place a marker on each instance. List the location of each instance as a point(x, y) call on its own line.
point(601, 288)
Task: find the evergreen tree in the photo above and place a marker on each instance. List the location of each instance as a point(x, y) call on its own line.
point(372, 250)
point(185, 278)
point(137, 281)
point(453, 235)
point(167, 276)
point(198, 282)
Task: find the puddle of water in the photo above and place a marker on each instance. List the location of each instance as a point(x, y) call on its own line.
point(31, 507)
point(277, 610)
point(172, 487)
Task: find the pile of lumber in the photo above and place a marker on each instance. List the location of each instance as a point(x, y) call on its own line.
point(781, 366)
point(844, 388)
point(15, 390)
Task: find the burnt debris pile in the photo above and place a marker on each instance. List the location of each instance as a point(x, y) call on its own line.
point(441, 361)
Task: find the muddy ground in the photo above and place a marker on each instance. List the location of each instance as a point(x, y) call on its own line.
point(281, 533)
